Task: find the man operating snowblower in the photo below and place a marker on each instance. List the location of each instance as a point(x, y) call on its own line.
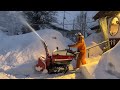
point(81, 47)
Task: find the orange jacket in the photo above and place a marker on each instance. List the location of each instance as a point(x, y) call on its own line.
point(80, 45)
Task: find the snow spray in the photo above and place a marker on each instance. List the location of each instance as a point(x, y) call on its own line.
point(43, 42)
point(26, 24)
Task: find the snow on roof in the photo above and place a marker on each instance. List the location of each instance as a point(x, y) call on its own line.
point(104, 14)
point(66, 27)
point(93, 24)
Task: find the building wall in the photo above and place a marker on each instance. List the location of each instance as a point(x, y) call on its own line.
point(113, 39)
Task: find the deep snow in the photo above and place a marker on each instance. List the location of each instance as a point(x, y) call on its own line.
point(93, 40)
point(19, 53)
point(109, 67)
point(106, 66)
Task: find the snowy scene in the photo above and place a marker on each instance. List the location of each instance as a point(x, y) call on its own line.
point(59, 45)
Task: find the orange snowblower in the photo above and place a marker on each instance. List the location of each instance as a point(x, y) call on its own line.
point(58, 62)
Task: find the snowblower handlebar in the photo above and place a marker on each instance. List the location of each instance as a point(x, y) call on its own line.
point(75, 53)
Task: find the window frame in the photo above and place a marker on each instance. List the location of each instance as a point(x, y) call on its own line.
point(111, 24)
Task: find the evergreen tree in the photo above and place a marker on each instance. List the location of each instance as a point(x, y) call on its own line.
point(40, 19)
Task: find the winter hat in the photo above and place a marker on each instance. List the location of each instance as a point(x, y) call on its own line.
point(79, 34)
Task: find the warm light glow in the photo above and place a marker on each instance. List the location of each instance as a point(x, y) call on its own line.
point(115, 20)
point(114, 26)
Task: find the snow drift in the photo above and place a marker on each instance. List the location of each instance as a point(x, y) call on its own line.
point(93, 40)
point(18, 54)
point(109, 64)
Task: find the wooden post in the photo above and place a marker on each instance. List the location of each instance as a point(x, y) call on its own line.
point(88, 53)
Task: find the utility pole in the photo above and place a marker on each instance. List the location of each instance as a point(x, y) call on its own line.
point(63, 19)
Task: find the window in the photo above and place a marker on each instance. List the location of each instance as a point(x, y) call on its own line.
point(114, 26)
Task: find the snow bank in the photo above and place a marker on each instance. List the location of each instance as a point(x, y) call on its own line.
point(92, 40)
point(18, 54)
point(105, 67)
point(90, 66)
point(93, 52)
point(95, 37)
point(109, 65)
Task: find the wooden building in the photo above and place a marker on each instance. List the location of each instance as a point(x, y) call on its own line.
point(109, 22)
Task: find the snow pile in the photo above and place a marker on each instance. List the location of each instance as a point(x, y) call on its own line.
point(93, 52)
point(93, 40)
point(95, 37)
point(109, 65)
point(91, 64)
point(18, 54)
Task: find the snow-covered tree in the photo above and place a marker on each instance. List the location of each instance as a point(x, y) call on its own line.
point(10, 22)
point(40, 19)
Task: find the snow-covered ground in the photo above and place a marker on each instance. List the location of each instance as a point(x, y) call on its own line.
point(106, 66)
point(93, 40)
point(19, 54)
point(109, 65)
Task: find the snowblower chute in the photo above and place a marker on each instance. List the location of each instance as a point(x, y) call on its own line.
point(58, 62)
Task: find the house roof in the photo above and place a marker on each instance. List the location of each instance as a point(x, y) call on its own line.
point(58, 28)
point(101, 14)
point(95, 27)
